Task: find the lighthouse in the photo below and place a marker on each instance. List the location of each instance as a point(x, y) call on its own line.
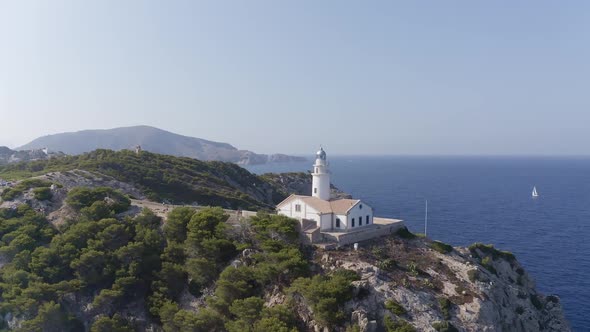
point(320, 187)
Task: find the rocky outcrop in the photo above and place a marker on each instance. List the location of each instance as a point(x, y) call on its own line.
point(54, 208)
point(469, 289)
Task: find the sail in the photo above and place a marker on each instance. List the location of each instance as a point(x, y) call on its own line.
point(535, 192)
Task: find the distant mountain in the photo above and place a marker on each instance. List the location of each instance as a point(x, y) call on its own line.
point(153, 140)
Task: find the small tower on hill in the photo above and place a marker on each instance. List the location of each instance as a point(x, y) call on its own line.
point(320, 187)
point(138, 149)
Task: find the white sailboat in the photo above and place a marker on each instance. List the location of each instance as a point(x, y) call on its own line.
point(535, 194)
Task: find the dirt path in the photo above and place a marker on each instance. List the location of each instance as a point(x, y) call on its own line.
point(162, 210)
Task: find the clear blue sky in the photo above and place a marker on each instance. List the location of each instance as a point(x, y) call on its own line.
point(383, 77)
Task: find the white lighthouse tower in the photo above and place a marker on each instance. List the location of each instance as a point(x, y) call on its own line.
point(320, 185)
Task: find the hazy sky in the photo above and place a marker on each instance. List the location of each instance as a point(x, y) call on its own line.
point(359, 77)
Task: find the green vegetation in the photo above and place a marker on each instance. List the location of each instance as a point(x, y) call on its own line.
point(473, 275)
point(445, 307)
point(21, 231)
point(42, 194)
point(404, 233)
point(326, 294)
point(162, 178)
point(489, 250)
point(112, 260)
point(399, 325)
point(10, 194)
point(82, 197)
point(536, 302)
point(395, 307)
point(487, 262)
point(199, 248)
point(441, 247)
point(445, 326)
point(111, 324)
point(118, 262)
point(387, 264)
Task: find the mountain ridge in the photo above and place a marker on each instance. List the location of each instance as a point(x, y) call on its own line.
point(154, 140)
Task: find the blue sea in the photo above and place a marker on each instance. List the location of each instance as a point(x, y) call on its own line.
point(487, 199)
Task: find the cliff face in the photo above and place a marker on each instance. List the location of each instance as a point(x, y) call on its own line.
point(470, 289)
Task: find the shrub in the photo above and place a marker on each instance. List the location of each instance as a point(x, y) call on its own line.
point(42, 194)
point(395, 307)
point(487, 264)
point(519, 310)
point(108, 324)
point(441, 247)
point(387, 264)
point(399, 325)
point(326, 294)
point(473, 275)
point(34, 183)
point(10, 193)
point(445, 307)
point(536, 302)
point(404, 233)
point(247, 311)
point(488, 249)
point(445, 326)
point(81, 197)
point(176, 223)
point(379, 253)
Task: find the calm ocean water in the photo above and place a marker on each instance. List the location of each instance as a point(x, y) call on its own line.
point(487, 199)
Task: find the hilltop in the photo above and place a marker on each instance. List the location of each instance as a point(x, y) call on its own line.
point(153, 140)
point(160, 178)
point(107, 266)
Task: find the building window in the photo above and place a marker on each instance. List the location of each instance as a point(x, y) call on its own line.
point(316, 169)
point(361, 206)
point(367, 222)
point(315, 190)
point(337, 222)
point(297, 207)
point(352, 224)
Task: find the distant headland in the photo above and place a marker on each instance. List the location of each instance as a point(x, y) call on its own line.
point(154, 140)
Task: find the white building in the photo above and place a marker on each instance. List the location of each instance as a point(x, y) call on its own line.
point(339, 215)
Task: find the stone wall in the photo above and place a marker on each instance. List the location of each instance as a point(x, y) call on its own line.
point(363, 234)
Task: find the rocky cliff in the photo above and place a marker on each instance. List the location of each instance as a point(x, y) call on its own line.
point(433, 287)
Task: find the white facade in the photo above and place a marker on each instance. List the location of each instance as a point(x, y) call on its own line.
point(320, 184)
point(298, 209)
point(359, 215)
point(329, 215)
